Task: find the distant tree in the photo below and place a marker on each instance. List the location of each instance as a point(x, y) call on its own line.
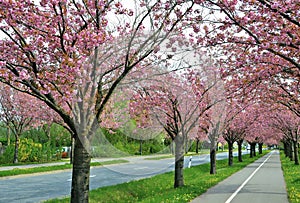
point(175, 102)
point(19, 112)
point(287, 123)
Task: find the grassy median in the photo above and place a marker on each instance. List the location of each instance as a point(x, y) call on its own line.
point(292, 178)
point(40, 169)
point(160, 188)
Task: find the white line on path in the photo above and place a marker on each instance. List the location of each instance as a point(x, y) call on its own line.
point(91, 176)
point(247, 180)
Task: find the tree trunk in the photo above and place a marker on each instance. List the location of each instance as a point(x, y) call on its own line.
point(8, 136)
point(141, 147)
point(230, 155)
point(285, 148)
point(291, 152)
point(81, 172)
point(288, 149)
point(49, 151)
point(72, 149)
point(252, 150)
point(16, 154)
point(1, 148)
point(172, 147)
point(213, 161)
point(186, 146)
point(260, 145)
point(197, 146)
point(179, 161)
point(240, 142)
point(296, 155)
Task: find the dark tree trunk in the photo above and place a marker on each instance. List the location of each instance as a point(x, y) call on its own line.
point(260, 145)
point(252, 150)
point(240, 142)
point(186, 146)
point(291, 151)
point(296, 155)
point(230, 155)
point(48, 143)
point(285, 149)
point(197, 146)
point(16, 154)
point(1, 148)
point(213, 169)
point(179, 161)
point(141, 147)
point(288, 149)
point(81, 173)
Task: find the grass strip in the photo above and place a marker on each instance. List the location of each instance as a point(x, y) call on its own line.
point(20, 171)
point(206, 151)
point(160, 157)
point(29, 163)
point(160, 188)
point(291, 174)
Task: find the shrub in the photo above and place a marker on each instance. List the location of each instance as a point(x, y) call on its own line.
point(29, 151)
point(8, 155)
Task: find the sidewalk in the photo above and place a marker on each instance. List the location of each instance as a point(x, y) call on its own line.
point(260, 182)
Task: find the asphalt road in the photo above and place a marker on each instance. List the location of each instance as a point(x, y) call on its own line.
point(39, 187)
point(260, 182)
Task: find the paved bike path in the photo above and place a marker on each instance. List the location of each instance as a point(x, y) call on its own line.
point(260, 182)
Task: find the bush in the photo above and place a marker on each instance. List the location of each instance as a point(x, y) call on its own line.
point(30, 151)
point(8, 155)
point(129, 145)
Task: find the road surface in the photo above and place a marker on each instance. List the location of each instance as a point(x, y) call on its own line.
point(39, 187)
point(260, 182)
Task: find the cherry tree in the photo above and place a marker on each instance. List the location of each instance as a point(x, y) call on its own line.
point(257, 37)
point(236, 123)
point(73, 54)
point(259, 130)
point(20, 112)
point(285, 92)
point(175, 102)
point(203, 127)
point(216, 115)
point(287, 123)
point(256, 42)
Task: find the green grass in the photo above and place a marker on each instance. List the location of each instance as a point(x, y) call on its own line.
point(292, 178)
point(201, 152)
point(19, 171)
point(28, 163)
point(160, 188)
point(160, 157)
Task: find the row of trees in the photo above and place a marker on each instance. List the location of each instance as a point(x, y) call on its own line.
point(21, 112)
point(92, 62)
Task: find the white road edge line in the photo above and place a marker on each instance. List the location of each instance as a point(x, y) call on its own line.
point(91, 176)
point(247, 180)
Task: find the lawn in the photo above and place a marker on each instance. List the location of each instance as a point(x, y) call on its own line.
point(160, 188)
point(292, 178)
